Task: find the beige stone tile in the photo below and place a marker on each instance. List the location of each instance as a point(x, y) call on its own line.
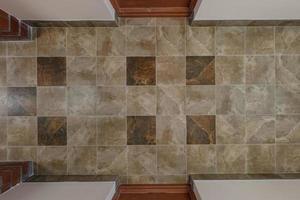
point(111, 71)
point(82, 131)
point(3, 153)
point(51, 41)
point(260, 40)
point(231, 129)
point(141, 100)
point(142, 160)
point(170, 70)
point(141, 179)
point(200, 41)
point(3, 71)
point(22, 48)
point(111, 41)
point(230, 99)
point(111, 101)
point(170, 100)
point(201, 159)
point(171, 130)
point(287, 99)
point(170, 40)
point(3, 131)
point(260, 69)
point(171, 21)
point(172, 179)
point(81, 41)
point(51, 101)
point(22, 131)
point(81, 70)
point(287, 69)
point(287, 129)
point(22, 153)
point(3, 48)
point(111, 131)
point(82, 160)
point(287, 39)
point(288, 158)
point(140, 41)
point(230, 40)
point(200, 100)
point(140, 21)
point(230, 70)
point(21, 71)
point(112, 160)
point(231, 158)
point(3, 101)
point(52, 160)
point(171, 160)
point(261, 159)
point(260, 99)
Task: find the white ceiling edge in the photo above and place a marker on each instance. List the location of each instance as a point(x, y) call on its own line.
point(247, 10)
point(65, 10)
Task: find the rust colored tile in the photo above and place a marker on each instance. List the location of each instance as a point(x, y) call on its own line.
point(141, 130)
point(200, 70)
point(21, 101)
point(52, 131)
point(51, 71)
point(201, 129)
point(141, 71)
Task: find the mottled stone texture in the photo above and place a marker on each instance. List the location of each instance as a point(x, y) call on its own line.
point(153, 100)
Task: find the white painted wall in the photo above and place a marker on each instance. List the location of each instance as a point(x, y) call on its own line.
point(247, 10)
point(59, 9)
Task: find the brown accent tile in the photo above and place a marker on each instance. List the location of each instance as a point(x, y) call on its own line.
point(172, 179)
point(170, 40)
point(260, 69)
point(287, 69)
point(260, 129)
point(141, 71)
point(81, 70)
point(201, 129)
point(82, 100)
point(171, 130)
point(81, 41)
point(21, 101)
point(140, 41)
point(112, 160)
point(23, 48)
point(230, 99)
point(52, 160)
point(3, 131)
point(200, 70)
point(22, 154)
point(231, 129)
point(82, 131)
point(142, 160)
point(141, 179)
point(21, 131)
point(141, 100)
point(3, 71)
point(287, 99)
point(287, 129)
point(111, 100)
point(3, 101)
point(21, 71)
point(51, 71)
point(111, 41)
point(3, 153)
point(51, 41)
point(171, 160)
point(141, 130)
point(231, 158)
point(111, 71)
point(288, 158)
point(171, 70)
point(3, 48)
point(52, 131)
point(200, 100)
point(230, 70)
point(170, 100)
point(261, 159)
point(260, 40)
point(51, 101)
point(287, 39)
point(260, 99)
point(82, 160)
point(201, 159)
point(230, 40)
point(200, 41)
point(111, 131)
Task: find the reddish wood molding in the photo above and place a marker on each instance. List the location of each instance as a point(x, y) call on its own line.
point(154, 8)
